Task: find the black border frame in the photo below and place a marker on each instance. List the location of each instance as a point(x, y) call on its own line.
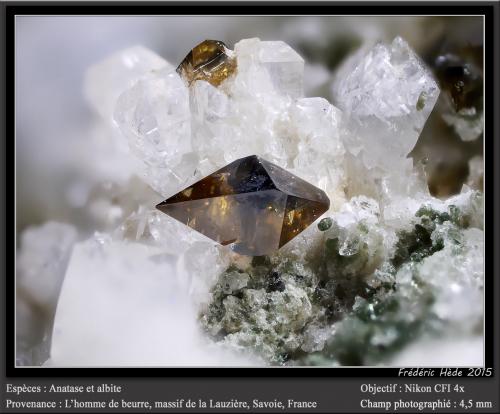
point(12, 9)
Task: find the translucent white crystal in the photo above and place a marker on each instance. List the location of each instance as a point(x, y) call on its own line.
point(198, 260)
point(234, 281)
point(199, 267)
point(359, 232)
point(149, 226)
point(42, 261)
point(315, 337)
point(388, 93)
point(258, 111)
point(103, 159)
point(456, 275)
point(317, 125)
point(285, 66)
point(208, 104)
point(106, 80)
point(252, 114)
point(123, 300)
point(400, 210)
point(154, 115)
point(358, 209)
point(470, 203)
point(212, 130)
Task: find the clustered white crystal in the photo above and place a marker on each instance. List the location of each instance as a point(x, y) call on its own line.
point(126, 292)
point(388, 94)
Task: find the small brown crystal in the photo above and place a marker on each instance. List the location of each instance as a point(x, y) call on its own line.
point(250, 204)
point(209, 61)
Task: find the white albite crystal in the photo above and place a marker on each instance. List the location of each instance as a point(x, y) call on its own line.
point(198, 260)
point(455, 276)
point(106, 80)
point(121, 305)
point(198, 268)
point(471, 203)
point(359, 228)
point(317, 126)
point(154, 116)
point(213, 125)
point(315, 337)
point(388, 94)
point(285, 66)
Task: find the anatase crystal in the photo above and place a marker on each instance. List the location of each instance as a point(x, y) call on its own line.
point(251, 204)
point(210, 61)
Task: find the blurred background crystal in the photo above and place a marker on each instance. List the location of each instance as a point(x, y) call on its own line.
point(78, 178)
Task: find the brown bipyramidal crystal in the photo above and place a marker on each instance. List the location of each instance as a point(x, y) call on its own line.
point(251, 204)
point(209, 61)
